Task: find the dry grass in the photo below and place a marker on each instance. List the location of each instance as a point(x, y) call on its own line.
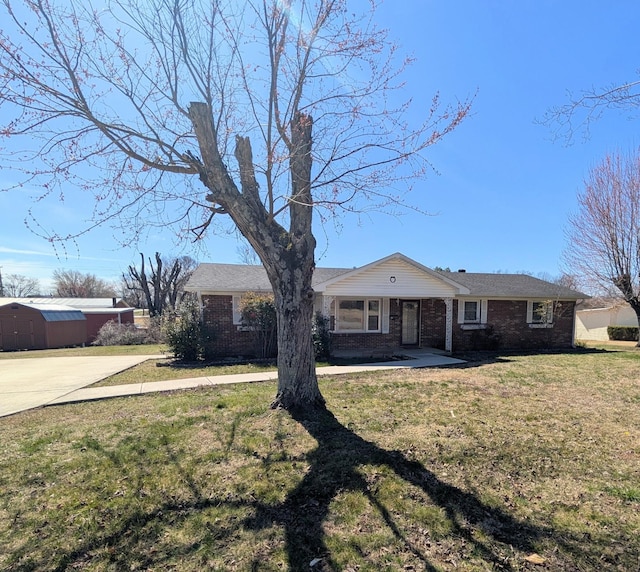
point(488, 467)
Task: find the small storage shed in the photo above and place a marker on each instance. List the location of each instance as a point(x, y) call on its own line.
point(98, 317)
point(36, 327)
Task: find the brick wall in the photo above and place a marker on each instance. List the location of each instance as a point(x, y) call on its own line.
point(228, 340)
point(433, 323)
point(507, 321)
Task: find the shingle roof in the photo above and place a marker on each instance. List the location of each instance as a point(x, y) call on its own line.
point(212, 277)
point(511, 286)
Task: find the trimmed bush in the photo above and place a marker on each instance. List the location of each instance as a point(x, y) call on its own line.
point(623, 333)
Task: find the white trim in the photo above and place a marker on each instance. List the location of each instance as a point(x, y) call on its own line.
point(482, 309)
point(448, 336)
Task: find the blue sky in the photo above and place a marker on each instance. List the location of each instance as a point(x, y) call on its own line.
point(504, 188)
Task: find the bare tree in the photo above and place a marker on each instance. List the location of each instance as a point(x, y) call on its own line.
point(604, 235)
point(259, 112)
point(18, 286)
point(164, 287)
point(74, 284)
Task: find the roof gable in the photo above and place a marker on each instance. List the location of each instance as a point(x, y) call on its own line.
point(394, 276)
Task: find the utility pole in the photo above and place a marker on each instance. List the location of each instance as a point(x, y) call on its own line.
point(1, 286)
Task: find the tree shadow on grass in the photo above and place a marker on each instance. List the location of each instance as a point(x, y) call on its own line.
point(334, 468)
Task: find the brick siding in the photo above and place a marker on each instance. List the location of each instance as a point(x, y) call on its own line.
point(217, 312)
point(506, 327)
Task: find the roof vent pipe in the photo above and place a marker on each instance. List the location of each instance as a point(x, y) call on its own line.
point(461, 270)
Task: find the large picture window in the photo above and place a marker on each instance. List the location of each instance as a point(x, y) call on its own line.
point(353, 315)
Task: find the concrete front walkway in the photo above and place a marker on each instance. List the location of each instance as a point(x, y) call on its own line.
point(45, 382)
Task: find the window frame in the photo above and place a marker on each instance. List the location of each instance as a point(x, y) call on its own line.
point(478, 312)
point(534, 318)
point(367, 314)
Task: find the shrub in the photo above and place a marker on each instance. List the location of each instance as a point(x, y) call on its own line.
point(114, 334)
point(188, 338)
point(259, 317)
point(321, 337)
point(485, 339)
point(623, 333)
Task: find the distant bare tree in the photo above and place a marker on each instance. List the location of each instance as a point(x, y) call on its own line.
point(74, 284)
point(246, 254)
point(163, 288)
point(18, 286)
point(604, 235)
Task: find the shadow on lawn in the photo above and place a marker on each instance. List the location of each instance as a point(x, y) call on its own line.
point(334, 469)
point(335, 464)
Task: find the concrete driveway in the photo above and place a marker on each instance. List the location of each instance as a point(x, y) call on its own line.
point(33, 382)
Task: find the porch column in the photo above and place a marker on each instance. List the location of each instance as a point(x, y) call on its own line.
point(326, 305)
point(448, 339)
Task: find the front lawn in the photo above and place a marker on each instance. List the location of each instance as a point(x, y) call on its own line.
point(523, 463)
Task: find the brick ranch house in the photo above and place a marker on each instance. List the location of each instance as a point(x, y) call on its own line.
point(397, 302)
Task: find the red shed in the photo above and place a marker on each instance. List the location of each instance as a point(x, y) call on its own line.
point(98, 317)
point(37, 327)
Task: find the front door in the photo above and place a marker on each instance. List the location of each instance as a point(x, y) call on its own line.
point(410, 322)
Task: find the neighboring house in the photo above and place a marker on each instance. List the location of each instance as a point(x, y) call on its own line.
point(26, 326)
point(595, 316)
point(97, 311)
point(397, 302)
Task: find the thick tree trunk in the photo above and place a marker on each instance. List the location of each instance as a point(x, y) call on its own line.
point(297, 381)
point(287, 254)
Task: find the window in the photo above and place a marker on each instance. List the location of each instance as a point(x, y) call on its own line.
point(472, 314)
point(373, 315)
point(541, 312)
point(358, 315)
point(237, 313)
point(471, 311)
